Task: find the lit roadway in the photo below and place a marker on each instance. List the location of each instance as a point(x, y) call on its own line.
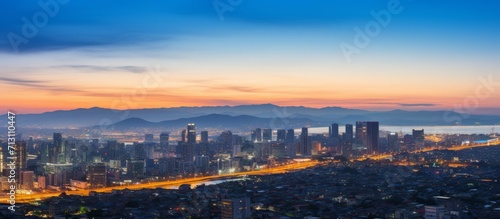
point(454, 148)
point(25, 198)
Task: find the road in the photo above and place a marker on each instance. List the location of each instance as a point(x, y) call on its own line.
point(24, 198)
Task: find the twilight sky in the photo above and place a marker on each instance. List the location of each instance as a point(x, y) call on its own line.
point(123, 54)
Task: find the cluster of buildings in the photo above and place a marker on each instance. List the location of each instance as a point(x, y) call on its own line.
point(72, 163)
point(335, 189)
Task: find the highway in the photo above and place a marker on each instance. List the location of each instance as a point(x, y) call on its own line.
point(24, 198)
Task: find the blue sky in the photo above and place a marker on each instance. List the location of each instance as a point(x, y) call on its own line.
point(283, 51)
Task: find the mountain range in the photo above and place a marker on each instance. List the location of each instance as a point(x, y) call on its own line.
point(263, 115)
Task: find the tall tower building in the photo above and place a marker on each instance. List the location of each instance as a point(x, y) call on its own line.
point(148, 138)
point(258, 134)
point(140, 151)
point(290, 136)
point(191, 133)
point(267, 135)
point(334, 134)
point(57, 148)
point(204, 137)
point(392, 142)
point(305, 145)
point(372, 132)
point(281, 135)
point(164, 136)
point(367, 134)
point(183, 135)
point(361, 133)
point(418, 135)
point(21, 155)
point(349, 134)
point(97, 175)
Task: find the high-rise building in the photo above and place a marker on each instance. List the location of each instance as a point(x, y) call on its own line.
point(204, 137)
point(235, 208)
point(348, 133)
point(191, 133)
point(258, 134)
point(281, 135)
point(115, 149)
point(186, 150)
point(57, 148)
point(183, 135)
point(372, 132)
point(140, 151)
point(21, 155)
point(135, 168)
point(148, 138)
point(97, 175)
point(333, 134)
point(392, 142)
point(305, 144)
point(267, 135)
point(164, 137)
point(367, 134)
point(361, 133)
point(290, 136)
point(418, 136)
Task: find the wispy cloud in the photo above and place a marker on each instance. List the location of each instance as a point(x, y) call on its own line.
point(98, 68)
point(417, 104)
point(17, 81)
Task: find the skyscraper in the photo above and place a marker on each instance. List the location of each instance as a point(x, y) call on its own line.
point(57, 148)
point(372, 132)
point(164, 137)
point(204, 137)
point(280, 135)
point(290, 136)
point(191, 133)
point(21, 155)
point(97, 175)
point(392, 141)
point(367, 135)
point(140, 151)
point(348, 134)
point(258, 134)
point(305, 145)
point(361, 133)
point(267, 135)
point(418, 135)
point(183, 135)
point(334, 134)
point(148, 138)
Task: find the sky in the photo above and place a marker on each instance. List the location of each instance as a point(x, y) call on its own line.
point(372, 54)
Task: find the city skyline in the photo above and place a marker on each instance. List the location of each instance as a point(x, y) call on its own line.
point(185, 54)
